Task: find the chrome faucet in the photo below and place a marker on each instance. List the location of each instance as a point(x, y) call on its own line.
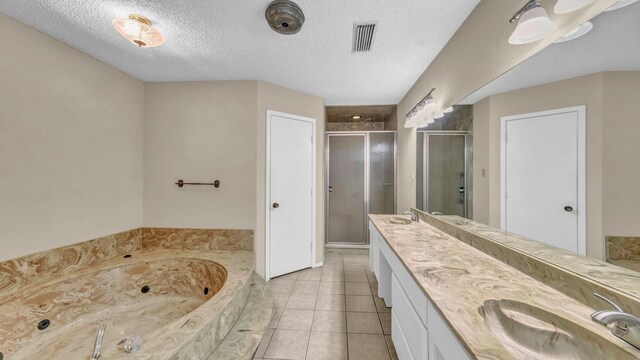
point(95, 355)
point(625, 326)
point(414, 215)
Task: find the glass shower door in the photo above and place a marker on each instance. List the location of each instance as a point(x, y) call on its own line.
point(346, 189)
point(445, 165)
point(382, 173)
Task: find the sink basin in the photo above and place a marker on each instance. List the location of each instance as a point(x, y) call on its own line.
point(529, 332)
point(396, 220)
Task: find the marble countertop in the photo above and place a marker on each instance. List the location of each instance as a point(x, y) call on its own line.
point(458, 278)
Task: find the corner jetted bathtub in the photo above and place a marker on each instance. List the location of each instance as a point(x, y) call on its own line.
point(181, 303)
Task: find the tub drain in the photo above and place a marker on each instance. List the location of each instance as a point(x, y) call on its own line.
point(43, 324)
point(145, 289)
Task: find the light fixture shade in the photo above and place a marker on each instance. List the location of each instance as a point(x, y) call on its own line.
point(620, 4)
point(411, 121)
point(138, 30)
point(448, 110)
point(439, 116)
point(567, 6)
point(532, 26)
point(577, 32)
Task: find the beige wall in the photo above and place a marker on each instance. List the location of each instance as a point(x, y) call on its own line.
point(621, 157)
point(198, 132)
point(201, 131)
point(612, 167)
point(276, 98)
point(70, 144)
point(477, 53)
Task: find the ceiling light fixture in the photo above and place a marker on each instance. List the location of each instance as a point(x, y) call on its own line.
point(533, 23)
point(448, 110)
point(567, 6)
point(439, 116)
point(356, 117)
point(577, 32)
point(422, 110)
point(137, 29)
point(620, 4)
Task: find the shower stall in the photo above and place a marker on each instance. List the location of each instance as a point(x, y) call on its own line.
point(361, 180)
point(443, 165)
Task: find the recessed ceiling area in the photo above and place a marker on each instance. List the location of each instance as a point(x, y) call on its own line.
point(372, 113)
point(231, 40)
point(612, 45)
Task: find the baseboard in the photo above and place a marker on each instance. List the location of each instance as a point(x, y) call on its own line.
point(317, 265)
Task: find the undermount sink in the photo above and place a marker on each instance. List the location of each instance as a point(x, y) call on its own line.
point(396, 220)
point(529, 332)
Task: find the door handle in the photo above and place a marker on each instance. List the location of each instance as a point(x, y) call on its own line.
point(330, 188)
point(568, 208)
point(275, 205)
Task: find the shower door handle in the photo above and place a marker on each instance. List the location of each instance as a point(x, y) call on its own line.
point(330, 188)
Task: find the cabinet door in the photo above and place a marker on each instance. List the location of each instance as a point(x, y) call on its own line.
point(373, 248)
point(443, 344)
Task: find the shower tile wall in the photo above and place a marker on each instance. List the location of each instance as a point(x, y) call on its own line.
point(355, 126)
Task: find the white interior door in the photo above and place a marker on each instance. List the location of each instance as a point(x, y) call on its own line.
point(543, 176)
point(290, 175)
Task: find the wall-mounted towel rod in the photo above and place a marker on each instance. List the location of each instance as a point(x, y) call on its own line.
point(181, 183)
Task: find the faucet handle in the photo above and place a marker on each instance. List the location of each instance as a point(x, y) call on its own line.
point(608, 301)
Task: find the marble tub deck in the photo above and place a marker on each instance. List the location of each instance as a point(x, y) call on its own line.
point(198, 326)
point(458, 279)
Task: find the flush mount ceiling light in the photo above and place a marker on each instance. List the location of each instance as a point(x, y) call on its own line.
point(567, 6)
point(356, 117)
point(137, 29)
point(533, 23)
point(284, 17)
point(421, 111)
point(620, 4)
point(577, 32)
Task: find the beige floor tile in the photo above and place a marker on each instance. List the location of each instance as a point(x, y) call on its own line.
point(354, 288)
point(302, 301)
point(350, 276)
point(280, 299)
point(337, 266)
point(374, 288)
point(385, 320)
point(293, 319)
point(332, 276)
point(392, 349)
point(276, 317)
point(264, 343)
point(355, 268)
point(333, 321)
point(327, 346)
point(330, 302)
point(279, 285)
point(306, 287)
point(363, 323)
point(310, 274)
point(288, 344)
point(331, 287)
point(361, 303)
point(380, 306)
point(367, 347)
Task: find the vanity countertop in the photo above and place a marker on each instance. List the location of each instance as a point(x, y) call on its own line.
point(458, 278)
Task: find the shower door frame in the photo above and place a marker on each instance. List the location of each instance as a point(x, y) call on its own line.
point(425, 165)
point(367, 148)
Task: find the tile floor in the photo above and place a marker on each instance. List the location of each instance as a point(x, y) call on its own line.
point(329, 313)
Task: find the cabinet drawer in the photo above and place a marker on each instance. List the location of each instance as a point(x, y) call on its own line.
point(443, 344)
point(413, 291)
point(414, 330)
point(399, 340)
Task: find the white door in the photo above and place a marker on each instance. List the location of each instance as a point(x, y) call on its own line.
point(543, 177)
point(290, 206)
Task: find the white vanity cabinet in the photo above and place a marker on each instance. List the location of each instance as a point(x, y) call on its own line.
point(417, 329)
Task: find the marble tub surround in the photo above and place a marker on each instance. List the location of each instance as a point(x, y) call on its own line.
point(42, 266)
point(175, 318)
point(458, 279)
point(197, 239)
point(243, 340)
point(576, 276)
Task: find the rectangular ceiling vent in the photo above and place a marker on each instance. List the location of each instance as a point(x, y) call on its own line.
point(363, 34)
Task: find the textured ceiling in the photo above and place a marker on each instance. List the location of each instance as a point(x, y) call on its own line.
point(612, 45)
point(230, 40)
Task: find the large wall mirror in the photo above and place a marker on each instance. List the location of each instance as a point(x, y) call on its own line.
point(549, 150)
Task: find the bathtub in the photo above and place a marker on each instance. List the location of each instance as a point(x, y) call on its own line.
point(182, 303)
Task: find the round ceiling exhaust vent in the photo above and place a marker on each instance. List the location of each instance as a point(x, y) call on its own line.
point(284, 17)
